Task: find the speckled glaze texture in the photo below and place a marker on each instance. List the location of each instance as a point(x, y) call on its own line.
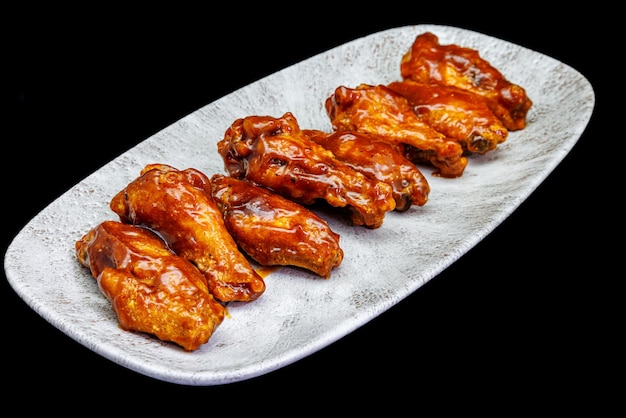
point(299, 312)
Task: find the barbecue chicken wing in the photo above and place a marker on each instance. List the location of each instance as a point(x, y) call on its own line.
point(180, 207)
point(274, 230)
point(429, 62)
point(380, 160)
point(275, 153)
point(380, 111)
point(150, 288)
point(456, 113)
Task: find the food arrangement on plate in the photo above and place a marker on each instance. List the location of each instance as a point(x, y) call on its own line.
point(180, 251)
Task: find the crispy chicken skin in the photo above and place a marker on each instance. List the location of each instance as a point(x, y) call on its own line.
point(178, 204)
point(275, 153)
point(380, 111)
point(274, 230)
point(456, 113)
point(150, 288)
point(429, 62)
point(378, 159)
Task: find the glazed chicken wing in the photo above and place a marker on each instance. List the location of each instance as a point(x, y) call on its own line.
point(274, 230)
point(275, 153)
point(380, 111)
point(150, 288)
point(180, 207)
point(456, 113)
point(429, 62)
point(378, 159)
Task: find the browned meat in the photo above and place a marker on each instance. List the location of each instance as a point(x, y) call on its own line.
point(380, 160)
point(429, 62)
point(274, 230)
point(150, 288)
point(275, 153)
point(180, 207)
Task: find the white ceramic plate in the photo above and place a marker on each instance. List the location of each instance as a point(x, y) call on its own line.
point(299, 312)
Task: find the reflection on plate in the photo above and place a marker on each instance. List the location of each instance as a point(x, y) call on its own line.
point(299, 312)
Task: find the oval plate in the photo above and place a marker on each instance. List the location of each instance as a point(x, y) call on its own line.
point(300, 313)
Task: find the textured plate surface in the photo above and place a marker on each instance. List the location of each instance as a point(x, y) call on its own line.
point(300, 313)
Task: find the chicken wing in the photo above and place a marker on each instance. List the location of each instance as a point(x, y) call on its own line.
point(275, 153)
point(380, 160)
point(150, 288)
point(274, 230)
point(180, 207)
point(380, 111)
point(456, 113)
point(427, 61)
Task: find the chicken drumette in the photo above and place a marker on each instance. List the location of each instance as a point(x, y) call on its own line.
point(274, 230)
point(150, 288)
point(275, 153)
point(380, 111)
point(178, 204)
point(429, 62)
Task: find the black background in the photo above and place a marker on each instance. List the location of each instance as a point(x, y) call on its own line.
point(520, 320)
